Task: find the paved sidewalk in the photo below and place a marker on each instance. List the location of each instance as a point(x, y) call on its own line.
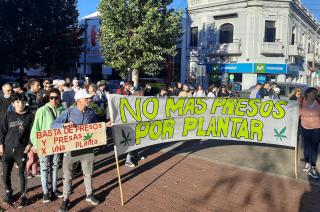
point(166, 181)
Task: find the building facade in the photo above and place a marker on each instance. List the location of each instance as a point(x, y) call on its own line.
point(91, 62)
point(250, 41)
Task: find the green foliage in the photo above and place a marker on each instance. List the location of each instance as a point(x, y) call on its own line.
point(39, 32)
point(138, 34)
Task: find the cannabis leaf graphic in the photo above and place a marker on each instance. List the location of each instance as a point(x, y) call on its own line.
point(126, 138)
point(88, 136)
point(280, 135)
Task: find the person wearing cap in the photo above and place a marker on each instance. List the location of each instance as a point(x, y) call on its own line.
point(78, 115)
point(102, 93)
point(43, 93)
point(223, 91)
point(16, 88)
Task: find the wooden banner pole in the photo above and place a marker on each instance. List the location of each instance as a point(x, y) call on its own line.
point(118, 172)
point(296, 162)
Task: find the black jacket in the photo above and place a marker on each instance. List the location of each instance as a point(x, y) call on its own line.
point(15, 130)
point(4, 104)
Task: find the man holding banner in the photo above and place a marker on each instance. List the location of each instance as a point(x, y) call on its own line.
point(49, 164)
point(77, 115)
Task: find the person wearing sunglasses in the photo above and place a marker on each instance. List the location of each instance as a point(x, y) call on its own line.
point(44, 117)
point(295, 94)
point(5, 100)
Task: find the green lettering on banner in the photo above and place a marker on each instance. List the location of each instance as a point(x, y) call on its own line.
point(281, 111)
point(212, 127)
point(155, 108)
point(243, 131)
point(218, 102)
point(168, 128)
point(253, 103)
point(239, 106)
point(135, 114)
point(172, 106)
point(235, 126)
point(256, 127)
point(229, 106)
point(189, 107)
point(189, 125)
point(266, 113)
point(142, 130)
point(203, 106)
point(200, 131)
point(223, 126)
point(155, 130)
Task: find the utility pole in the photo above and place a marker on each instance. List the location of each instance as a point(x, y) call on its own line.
point(85, 47)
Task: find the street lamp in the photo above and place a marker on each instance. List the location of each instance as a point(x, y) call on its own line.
point(85, 48)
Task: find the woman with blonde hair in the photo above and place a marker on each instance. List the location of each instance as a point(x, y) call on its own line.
point(295, 94)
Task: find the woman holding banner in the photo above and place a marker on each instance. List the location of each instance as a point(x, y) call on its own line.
point(310, 124)
point(49, 164)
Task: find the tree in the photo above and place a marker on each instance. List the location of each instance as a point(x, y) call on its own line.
point(61, 36)
point(17, 35)
point(37, 32)
point(137, 35)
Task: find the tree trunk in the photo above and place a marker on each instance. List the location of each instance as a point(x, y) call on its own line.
point(135, 78)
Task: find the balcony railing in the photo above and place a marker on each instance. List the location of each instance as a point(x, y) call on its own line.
point(272, 48)
point(311, 57)
point(225, 48)
point(296, 50)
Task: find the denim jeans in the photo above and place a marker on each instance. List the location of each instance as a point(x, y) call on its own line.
point(311, 139)
point(49, 167)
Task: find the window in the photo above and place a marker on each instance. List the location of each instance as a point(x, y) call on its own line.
point(309, 47)
point(194, 37)
point(293, 34)
point(270, 31)
point(226, 33)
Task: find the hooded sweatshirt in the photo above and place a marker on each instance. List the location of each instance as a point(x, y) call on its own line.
point(15, 130)
point(45, 115)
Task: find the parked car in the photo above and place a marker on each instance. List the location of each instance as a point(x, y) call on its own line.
point(285, 89)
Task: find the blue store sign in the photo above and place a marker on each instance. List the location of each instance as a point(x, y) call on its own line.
point(237, 67)
point(262, 68)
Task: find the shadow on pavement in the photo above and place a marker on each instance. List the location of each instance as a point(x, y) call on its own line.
point(310, 201)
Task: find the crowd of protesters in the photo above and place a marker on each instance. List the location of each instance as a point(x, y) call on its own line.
point(63, 103)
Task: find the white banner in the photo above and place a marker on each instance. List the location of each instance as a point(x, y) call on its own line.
point(144, 121)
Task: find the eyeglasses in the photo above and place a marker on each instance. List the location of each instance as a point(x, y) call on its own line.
point(54, 98)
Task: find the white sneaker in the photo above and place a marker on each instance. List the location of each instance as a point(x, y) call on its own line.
point(314, 173)
point(306, 167)
point(130, 164)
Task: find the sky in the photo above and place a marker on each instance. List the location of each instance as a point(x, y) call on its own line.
point(87, 7)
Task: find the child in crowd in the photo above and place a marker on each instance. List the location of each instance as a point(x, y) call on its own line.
point(14, 146)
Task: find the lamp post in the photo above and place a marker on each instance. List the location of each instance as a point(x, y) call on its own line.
point(85, 48)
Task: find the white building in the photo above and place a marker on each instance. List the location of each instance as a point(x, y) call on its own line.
point(251, 41)
point(91, 61)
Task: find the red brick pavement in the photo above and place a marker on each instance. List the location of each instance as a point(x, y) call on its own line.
point(170, 182)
